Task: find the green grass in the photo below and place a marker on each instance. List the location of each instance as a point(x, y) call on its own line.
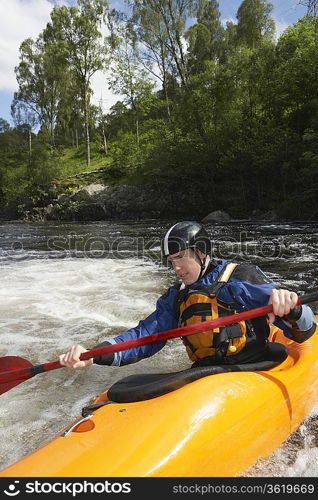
point(73, 161)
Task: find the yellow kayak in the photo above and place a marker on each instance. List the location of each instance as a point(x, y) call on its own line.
point(215, 426)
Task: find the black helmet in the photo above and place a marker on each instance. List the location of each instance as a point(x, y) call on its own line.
point(187, 234)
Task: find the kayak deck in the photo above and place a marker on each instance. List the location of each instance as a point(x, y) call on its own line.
point(216, 426)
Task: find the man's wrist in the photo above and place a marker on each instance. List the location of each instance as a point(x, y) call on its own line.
point(105, 359)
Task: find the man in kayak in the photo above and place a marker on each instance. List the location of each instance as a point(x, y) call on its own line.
point(209, 289)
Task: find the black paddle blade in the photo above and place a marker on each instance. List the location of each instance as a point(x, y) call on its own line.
point(13, 371)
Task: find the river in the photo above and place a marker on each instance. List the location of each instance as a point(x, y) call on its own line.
point(67, 283)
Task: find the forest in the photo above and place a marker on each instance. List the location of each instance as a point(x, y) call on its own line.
point(226, 112)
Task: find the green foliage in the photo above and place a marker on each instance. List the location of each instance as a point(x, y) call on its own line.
point(254, 22)
point(24, 172)
point(4, 126)
point(297, 75)
point(125, 154)
point(206, 37)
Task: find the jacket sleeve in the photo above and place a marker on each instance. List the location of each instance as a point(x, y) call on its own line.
point(299, 326)
point(254, 291)
point(162, 319)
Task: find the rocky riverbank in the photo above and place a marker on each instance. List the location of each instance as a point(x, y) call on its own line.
point(100, 202)
point(97, 201)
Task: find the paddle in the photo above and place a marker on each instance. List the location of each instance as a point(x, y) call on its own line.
point(15, 370)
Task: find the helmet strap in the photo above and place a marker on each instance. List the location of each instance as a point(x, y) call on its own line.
point(202, 264)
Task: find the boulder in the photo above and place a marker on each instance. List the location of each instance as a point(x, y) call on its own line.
point(49, 211)
point(89, 211)
point(88, 193)
point(63, 199)
point(270, 216)
point(216, 216)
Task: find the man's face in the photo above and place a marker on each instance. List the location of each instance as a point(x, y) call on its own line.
point(186, 265)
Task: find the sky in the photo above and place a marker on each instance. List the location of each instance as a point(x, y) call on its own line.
point(21, 19)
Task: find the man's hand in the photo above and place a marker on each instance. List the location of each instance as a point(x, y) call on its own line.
point(71, 358)
point(283, 301)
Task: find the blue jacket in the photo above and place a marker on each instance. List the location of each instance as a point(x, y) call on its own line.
point(243, 293)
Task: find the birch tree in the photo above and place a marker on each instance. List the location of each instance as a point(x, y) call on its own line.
point(80, 29)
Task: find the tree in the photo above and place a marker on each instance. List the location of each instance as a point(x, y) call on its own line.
point(152, 36)
point(69, 120)
point(41, 77)
point(171, 16)
point(23, 115)
point(206, 37)
point(128, 76)
point(254, 22)
point(312, 7)
point(4, 126)
point(79, 28)
point(118, 119)
point(297, 73)
point(102, 125)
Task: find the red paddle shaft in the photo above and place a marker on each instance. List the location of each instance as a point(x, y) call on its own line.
point(25, 373)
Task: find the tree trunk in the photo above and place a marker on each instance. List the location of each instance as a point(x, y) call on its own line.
point(167, 100)
point(137, 129)
point(52, 132)
point(30, 142)
point(164, 83)
point(105, 141)
point(30, 147)
point(88, 148)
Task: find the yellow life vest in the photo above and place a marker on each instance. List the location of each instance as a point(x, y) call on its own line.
point(203, 305)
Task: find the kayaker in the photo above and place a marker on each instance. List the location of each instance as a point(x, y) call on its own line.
point(210, 288)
